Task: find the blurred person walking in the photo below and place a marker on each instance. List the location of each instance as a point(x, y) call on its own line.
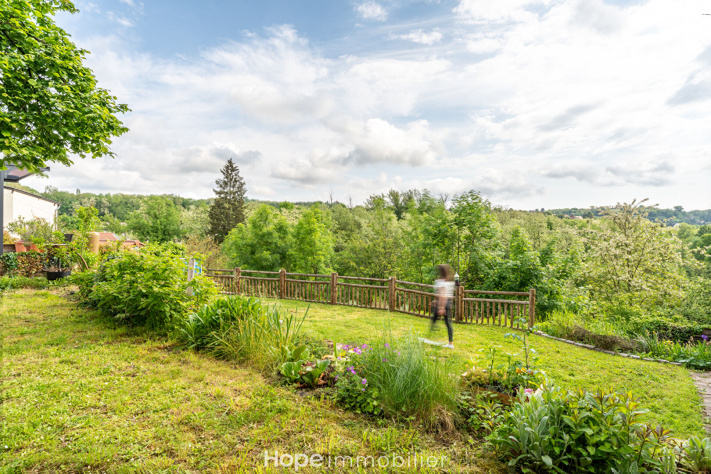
point(442, 304)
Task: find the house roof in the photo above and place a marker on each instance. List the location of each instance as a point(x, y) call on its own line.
point(107, 237)
point(15, 174)
point(33, 195)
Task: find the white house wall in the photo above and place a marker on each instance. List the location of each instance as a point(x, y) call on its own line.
point(18, 204)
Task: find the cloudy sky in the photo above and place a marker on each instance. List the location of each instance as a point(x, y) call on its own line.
point(542, 103)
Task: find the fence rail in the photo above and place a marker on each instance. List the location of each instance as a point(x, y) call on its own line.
point(392, 294)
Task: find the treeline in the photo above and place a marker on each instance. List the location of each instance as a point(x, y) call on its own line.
point(618, 262)
point(669, 217)
point(620, 265)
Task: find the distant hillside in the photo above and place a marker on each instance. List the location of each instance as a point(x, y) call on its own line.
point(671, 216)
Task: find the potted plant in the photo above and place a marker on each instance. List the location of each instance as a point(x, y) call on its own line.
point(59, 256)
point(60, 260)
point(32, 233)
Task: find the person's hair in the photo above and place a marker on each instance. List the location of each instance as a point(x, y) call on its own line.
point(445, 272)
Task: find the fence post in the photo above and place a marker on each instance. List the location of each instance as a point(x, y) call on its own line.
point(459, 309)
point(238, 273)
point(392, 288)
point(191, 275)
point(282, 284)
point(334, 288)
point(531, 307)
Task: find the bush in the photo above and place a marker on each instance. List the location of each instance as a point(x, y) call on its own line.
point(22, 263)
point(354, 393)
point(695, 455)
point(241, 328)
point(147, 287)
point(674, 328)
point(508, 377)
point(553, 430)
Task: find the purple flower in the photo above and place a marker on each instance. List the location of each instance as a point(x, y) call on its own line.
point(357, 351)
point(385, 360)
point(336, 377)
point(345, 348)
point(364, 346)
point(364, 381)
point(398, 352)
point(387, 345)
point(704, 337)
point(364, 390)
point(352, 369)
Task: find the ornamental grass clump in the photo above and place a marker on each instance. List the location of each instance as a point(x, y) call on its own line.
point(410, 383)
point(241, 328)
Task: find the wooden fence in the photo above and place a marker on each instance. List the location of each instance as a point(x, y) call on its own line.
point(500, 308)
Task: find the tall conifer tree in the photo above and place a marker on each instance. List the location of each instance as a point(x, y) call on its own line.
point(228, 209)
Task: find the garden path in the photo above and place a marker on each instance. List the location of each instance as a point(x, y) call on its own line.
point(703, 383)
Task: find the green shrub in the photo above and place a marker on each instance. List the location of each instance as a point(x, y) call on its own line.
point(695, 455)
point(553, 430)
point(509, 375)
point(26, 264)
point(147, 287)
point(482, 412)
point(354, 393)
point(241, 328)
point(697, 304)
point(675, 328)
point(563, 324)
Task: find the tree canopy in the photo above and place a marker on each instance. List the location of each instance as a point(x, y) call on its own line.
point(228, 209)
point(50, 104)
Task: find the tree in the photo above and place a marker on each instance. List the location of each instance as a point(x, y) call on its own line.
point(50, 104)
point(228, 209)
point(633, 260)
point(158, 220)
point(262, 243)
point(312, 243)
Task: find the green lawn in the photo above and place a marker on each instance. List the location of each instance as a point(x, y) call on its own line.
point(667, 391)
point(81, 393)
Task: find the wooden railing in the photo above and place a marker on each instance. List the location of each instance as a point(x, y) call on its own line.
point(378, 293)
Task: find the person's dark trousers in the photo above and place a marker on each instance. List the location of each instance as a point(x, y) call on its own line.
point(447, 317)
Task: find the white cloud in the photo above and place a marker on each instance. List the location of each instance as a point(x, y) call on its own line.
point(422, 37)
point(377, 141)
point(371, 11)
point(121, 20)
point(137, 6)
point(487, 10)
point(523, 100)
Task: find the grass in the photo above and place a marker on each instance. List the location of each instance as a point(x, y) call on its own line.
point(82, 393)
point(667, 391)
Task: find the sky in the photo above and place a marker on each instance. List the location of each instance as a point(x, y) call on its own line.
point(535, 104)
